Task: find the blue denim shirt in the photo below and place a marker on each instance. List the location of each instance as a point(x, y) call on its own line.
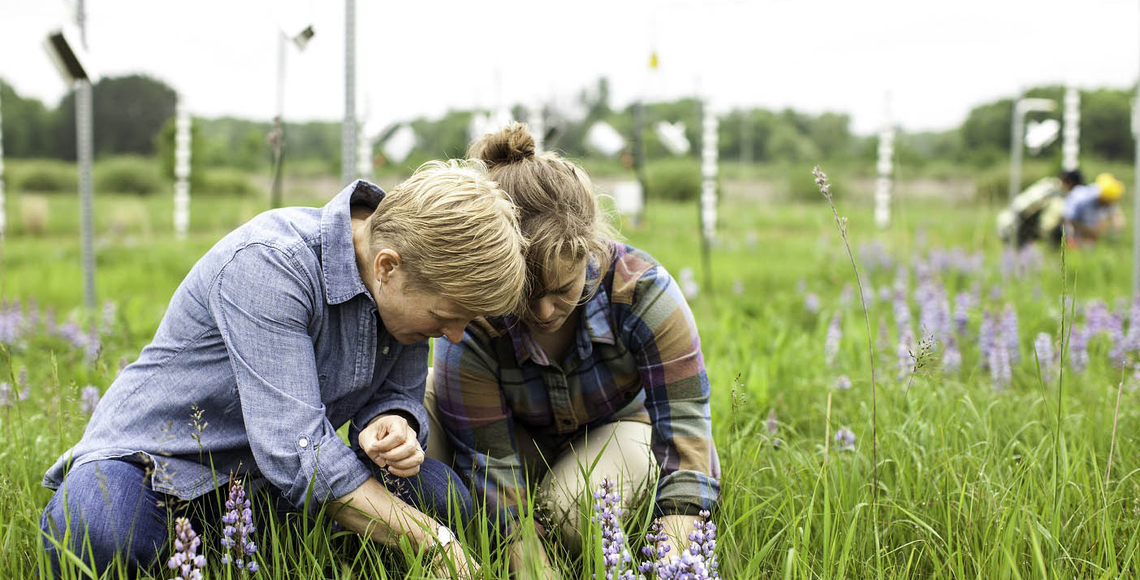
point(274, 339)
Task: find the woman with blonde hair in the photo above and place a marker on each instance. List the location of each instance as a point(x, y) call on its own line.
point(601, 366)
point(295, 324)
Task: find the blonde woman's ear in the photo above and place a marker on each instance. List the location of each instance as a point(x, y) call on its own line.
point(386, 262)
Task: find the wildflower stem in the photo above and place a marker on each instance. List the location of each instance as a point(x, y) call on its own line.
point(1115, 418)
point(825, 189)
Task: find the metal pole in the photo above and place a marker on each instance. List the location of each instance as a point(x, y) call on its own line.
point(745, 136)
point(348, 129)
point(84, 149)
point(181, 169)
point(1015, 137)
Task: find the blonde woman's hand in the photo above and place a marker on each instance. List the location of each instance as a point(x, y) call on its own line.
point(391, 442)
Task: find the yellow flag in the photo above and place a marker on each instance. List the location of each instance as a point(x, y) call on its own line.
point(653, 59)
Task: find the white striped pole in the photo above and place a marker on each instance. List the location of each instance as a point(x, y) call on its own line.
point(3, 213)
point(348, 142)
point(1071, 143)
point(181, 169)
point(85, 145)
point(537, 125)
point(708, 172)
point(1136, 196)
point(363, 153)
point(708, 199)
point(884, 167)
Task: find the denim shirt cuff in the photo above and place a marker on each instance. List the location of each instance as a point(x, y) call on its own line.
point(330, 467)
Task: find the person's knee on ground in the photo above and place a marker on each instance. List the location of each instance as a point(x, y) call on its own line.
point(623, 453)
point(105, 510)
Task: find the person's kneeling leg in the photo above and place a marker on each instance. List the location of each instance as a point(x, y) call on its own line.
point(105, 510)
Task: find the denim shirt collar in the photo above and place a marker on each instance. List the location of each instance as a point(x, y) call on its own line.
point(593, 326)
point(338, 256)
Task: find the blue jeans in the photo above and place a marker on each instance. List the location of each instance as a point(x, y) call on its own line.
point(111, 512)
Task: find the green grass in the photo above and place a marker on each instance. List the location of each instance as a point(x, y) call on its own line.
point(973, 483)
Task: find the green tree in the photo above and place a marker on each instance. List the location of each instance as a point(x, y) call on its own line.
point(127, 114)
point(28, 125)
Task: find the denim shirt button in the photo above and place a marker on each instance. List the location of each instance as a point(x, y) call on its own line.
point(384, 351)
point(303, 442)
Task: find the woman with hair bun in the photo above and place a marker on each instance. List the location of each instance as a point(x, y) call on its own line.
point(601, 366)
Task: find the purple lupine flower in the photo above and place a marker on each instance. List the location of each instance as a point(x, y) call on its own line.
point(5, 395)
point(186, 561)
point(1010, 334)
point(962, 306)
point(608, 513)
point(811, 302)
point(905, 360)
point(1132, 339)
point(1119, 351)
point(845, 439)
point(846, 295)
point(885, 293)
point(1043, 346)
point(698, 562)
point(738, 287)
point(656, 548)
point(237, 535)
point(951, 356)
point(902, 311)
point(89, 399)
point(110, 317)
point(1078, 349)
point(702, 543)
point(772, 424)
point(843, 383)
point(831, 342)
point(999, 363)
point(987, 339)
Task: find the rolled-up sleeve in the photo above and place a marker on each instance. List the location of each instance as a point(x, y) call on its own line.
point(263, 302)
point(479, 424)
point(662, 336)
point(401, 392)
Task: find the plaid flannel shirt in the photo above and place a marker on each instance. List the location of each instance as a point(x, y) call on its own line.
point(636, 356)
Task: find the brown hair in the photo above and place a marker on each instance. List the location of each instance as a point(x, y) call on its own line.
point(558, 210)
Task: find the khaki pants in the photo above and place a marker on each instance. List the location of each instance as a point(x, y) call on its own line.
point(622, 451)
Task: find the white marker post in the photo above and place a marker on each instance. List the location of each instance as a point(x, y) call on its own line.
point(363, 154)
point(1017, 138)
point(1136, 197)
point(181, 169)
point(3, 214)
point(348, 144)
point(1071, 141)
point(884, 168)
point(537, 125)
point(708, 201)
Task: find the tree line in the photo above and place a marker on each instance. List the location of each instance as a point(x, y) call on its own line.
point(133, 115)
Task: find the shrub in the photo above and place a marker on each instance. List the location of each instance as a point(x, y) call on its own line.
point(677, 179)
point(227, 182)
point(129, 174)
point(800, 185)
point(44, 176)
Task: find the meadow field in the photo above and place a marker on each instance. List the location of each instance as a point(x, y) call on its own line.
point(995, 438)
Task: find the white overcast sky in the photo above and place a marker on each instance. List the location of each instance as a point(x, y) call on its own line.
point(935, 59)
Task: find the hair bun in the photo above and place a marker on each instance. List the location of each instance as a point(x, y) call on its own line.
point(507, 145)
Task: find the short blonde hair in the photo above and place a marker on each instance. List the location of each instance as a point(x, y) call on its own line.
point(559, 210)
point(457, 234)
